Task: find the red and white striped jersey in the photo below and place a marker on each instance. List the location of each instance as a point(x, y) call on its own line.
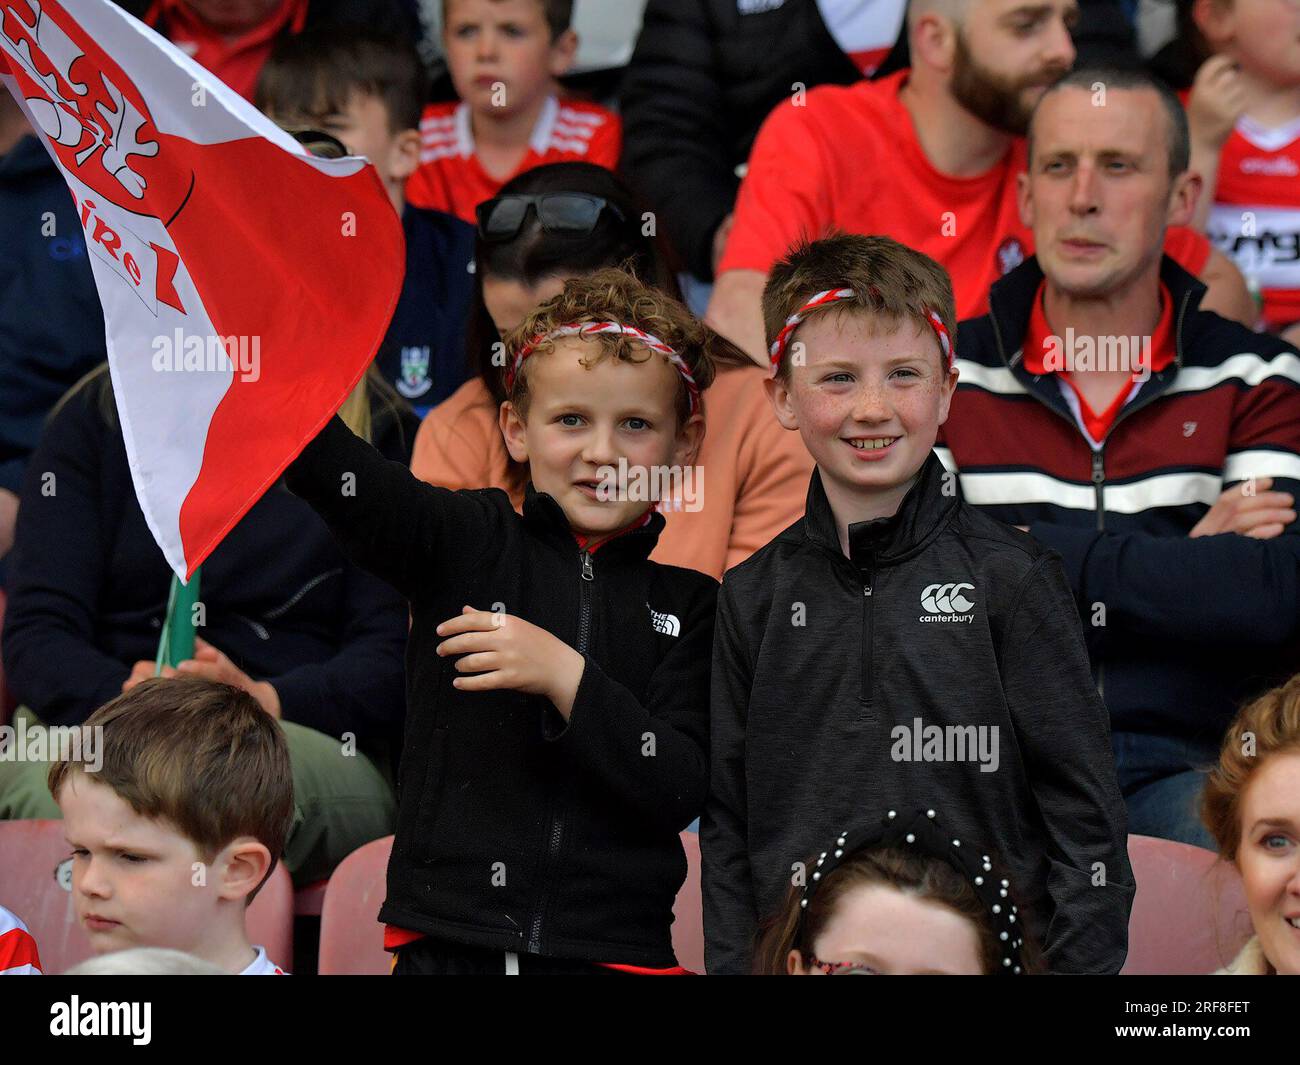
point(18, 955)
point(1256, 214)
point(263, 966)
point(450, 177)
point(864, 29)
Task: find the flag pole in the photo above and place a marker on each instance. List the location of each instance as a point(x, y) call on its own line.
point(176, 643)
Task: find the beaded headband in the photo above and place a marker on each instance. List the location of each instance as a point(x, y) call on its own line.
point(920, 834)
point(834, 295)
point(594, 328)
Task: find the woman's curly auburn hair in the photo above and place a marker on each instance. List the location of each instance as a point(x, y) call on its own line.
point(615, 295)
point(1269, 725)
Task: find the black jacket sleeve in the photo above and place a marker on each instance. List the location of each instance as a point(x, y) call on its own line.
point(730, 910)
point(676, 144)
point(1202, 590)
point(361, 689)
point(1062, 731)
point(652, 757)
point(387, 520)
point(52, 663)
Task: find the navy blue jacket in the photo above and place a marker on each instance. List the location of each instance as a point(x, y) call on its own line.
point(423, 354)
point(51, 327)
point(88, 590)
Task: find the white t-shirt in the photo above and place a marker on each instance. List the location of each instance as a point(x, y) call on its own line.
point(263, 966)
point(864, 29)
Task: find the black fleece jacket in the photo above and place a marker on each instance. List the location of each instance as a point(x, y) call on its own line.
point(515, 830)
point(823, 665)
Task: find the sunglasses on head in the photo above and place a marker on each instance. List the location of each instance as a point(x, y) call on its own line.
point(558, 212)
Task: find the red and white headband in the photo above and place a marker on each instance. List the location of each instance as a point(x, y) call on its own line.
point(835, 295)
point(593, 328)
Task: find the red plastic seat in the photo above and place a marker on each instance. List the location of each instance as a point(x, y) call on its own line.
point(1189, 915)
point(352, 940)
point(351, 937)
point(29, 852)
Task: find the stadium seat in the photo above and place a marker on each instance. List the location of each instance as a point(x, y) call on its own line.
point(351, 939)
point(1189, 916)
point(29, 853)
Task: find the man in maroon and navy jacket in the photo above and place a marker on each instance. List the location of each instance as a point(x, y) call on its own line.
point(1156, 446)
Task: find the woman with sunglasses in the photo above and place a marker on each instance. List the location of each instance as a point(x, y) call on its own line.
point(570, 220)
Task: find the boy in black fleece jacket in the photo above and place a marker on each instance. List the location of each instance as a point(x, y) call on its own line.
point(897, 647)
point(547, 773)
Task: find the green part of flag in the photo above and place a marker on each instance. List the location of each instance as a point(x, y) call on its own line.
point(177, 641)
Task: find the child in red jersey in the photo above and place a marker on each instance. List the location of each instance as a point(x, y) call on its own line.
point(1244, 114)
point(505, 57)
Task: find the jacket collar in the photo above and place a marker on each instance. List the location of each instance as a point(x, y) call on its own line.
point(1011, 302)
point(883, 541)
point(545, 518)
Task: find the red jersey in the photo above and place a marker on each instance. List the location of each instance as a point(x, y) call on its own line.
point(18, 955)
point(1255, 219)
point(849, 158)
point(235, 60)
point(450, 177)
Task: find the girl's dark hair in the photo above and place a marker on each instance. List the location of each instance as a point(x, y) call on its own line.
point(922, 876)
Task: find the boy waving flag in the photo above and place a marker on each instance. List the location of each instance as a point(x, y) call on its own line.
point(221, 251)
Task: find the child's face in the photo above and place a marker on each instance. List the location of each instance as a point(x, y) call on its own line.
point(501, 55)
point(582, 421)
point(867, 400)
point(889, 933)
point(1262, 35)
point(363, 129)
point(138, 882)
point(1269, 858)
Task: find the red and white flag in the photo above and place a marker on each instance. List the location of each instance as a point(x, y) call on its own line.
point(246, 285)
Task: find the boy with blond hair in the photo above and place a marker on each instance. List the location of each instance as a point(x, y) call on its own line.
point(505, 58)
point(182, 823)
point(896, 648)
point(557, 708)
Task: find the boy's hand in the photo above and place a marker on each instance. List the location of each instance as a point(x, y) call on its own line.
point(211, 664)
point(1262, 514)
point(509, 652)
point(143, 670)
point(1216, 102)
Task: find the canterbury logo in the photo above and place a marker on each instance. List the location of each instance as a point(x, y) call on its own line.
point(666, 624)
point(946, 599)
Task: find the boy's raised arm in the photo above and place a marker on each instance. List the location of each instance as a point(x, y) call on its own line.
point(730, 911)
point(390, 522)
point(1062, 729)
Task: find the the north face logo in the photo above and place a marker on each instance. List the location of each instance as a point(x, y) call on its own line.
point(947, 602)
point(667, 624)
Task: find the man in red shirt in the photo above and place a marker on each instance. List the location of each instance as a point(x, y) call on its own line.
point(1153, 445)
point(233, 38)
point(929, 156)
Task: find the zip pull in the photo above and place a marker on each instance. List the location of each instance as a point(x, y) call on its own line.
point(1098, 469)
point(587, 575)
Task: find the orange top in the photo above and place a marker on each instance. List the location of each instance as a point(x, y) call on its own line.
point(752, 480)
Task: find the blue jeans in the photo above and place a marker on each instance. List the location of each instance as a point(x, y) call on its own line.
point(1162, 778)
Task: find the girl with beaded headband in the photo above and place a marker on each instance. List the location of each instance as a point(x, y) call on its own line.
point(900, 897)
